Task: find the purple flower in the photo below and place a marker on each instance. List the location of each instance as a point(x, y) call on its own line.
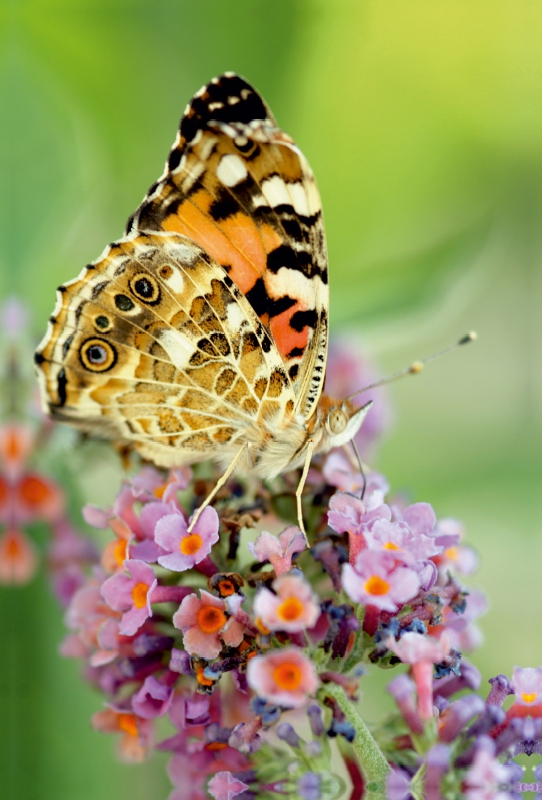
point(183, 549)
point(420, 518)
point(131, 594)
point(377, 580)
point(223, 786)
point(401, 541)
point(349, 514)
point(153, 699)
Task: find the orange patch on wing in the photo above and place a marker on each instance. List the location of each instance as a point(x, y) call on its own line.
point(235, 243)
point(286, 338)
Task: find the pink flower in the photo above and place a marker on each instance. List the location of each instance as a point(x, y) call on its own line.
point(223, 786)
point(131, 594)
point(283, 677)
point(182, 549)
point(153, 699)
point(412, 648)
point(377, 580)
point(18, 559)
point(294, 607)
point(349, 514)
point(205, 625)
point(399, 540)
point(279, 551)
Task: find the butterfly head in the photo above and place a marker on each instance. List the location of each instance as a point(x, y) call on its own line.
point(340, 421)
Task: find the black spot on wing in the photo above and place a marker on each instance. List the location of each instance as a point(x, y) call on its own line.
point(302, 319)
point(295, 352)
point(263, 304)
point(173, 161)
point(62, 382)
point(257, 297)
point(224, 206)
point(285, 256)
point(67, 344)
point(39, 358)
point(98, 288)
point(292, 372)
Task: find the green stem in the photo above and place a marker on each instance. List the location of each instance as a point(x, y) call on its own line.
point(372, 763)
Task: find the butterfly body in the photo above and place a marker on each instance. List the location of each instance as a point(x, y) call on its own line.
point(202, 333)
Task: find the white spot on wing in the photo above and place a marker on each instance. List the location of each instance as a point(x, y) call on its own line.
point(183, 252)
point(235, 316)
point(295, 284)
point(231, 170)
point(177, 347)
point(275, 192)
point(299, 198)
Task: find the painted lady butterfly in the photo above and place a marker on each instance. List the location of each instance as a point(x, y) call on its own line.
point(202, 332)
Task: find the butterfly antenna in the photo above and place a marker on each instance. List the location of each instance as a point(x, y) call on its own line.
point(417, 366)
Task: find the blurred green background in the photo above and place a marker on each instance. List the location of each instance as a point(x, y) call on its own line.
point(423, 124)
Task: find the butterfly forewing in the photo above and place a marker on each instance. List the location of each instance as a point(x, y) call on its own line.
point(239, 187)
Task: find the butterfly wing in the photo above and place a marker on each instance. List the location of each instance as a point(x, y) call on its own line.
point(239, 187)
point(154, 344)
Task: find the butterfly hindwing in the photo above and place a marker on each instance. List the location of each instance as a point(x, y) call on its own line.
point(154, 344)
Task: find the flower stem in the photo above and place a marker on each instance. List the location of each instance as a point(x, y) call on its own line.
point(372, 763)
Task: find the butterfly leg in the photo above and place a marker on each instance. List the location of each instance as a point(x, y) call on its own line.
point(220, 483)
point(301, 484)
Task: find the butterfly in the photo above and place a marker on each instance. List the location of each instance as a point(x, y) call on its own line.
point(202, 333)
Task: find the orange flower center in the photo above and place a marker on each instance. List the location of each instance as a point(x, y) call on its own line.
point(287, 676)
point(291, 609)
point(139, 594)
point(528, 697)
point(33, 490)
point(391, 546)
point(226, 588)
point(119, 552)
point(376, 585)
point(211, 619)
point(128, 724)
point(190, 544)
point(159, 491)
point(14, 446)
point(452, 553)
point(14, 549)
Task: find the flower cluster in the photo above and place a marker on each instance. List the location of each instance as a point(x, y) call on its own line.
point(231, 628)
